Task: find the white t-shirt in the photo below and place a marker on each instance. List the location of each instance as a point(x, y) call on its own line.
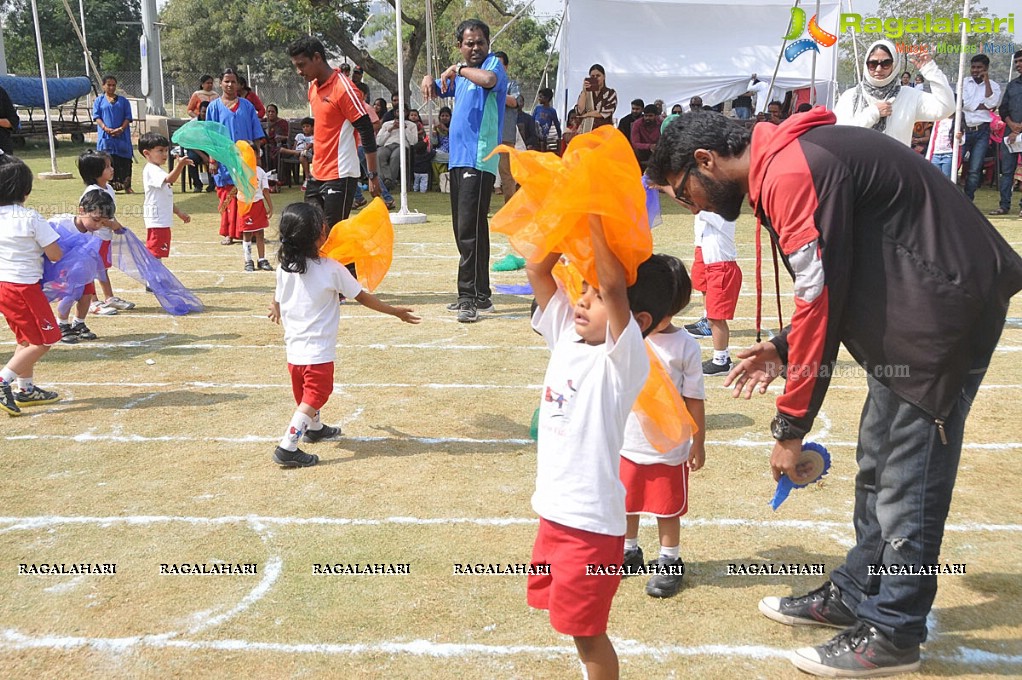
point(310, 310)
point(718, 240)
point(680, 353)
point(262, 182)
point(302, 141)
point(158, 205)
point(588, 392)
point(23, 235)
point(105, 233)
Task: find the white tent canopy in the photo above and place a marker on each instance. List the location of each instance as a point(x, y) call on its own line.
point(674, 50)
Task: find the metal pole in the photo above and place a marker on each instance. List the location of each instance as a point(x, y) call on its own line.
point(958, 107)
point(855, 49)
point(46, 89)
point(511, 21)
point(85, 52)
point(173, 100)
point(812, 76)
point(401, 107)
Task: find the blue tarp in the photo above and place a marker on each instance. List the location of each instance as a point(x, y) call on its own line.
point(29, 91)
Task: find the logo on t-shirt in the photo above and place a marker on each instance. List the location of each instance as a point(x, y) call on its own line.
point(560, 398)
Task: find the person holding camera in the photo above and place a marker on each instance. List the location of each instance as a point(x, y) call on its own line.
point(597, 102)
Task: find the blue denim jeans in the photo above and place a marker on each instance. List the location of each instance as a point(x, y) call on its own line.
point(384, 192)
point(943, 161)
point(976, 144)
point(902, 495)
point(1009, 161)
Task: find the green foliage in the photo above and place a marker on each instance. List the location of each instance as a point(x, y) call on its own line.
point(114, 46)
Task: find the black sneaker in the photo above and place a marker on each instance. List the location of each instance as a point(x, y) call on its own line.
point(249, 266)
point(7, 401)
point(667, 581)
point(699, 329)
point(632, 562)
point(820, 607)
point(710, 367)
point(323, 434)
point(454, 306)
point(467, 312)
point(67, 335)
point(82, 331)
point(857, 652)
point(35, 397)
point(264, 266)
point(296, 458)
point(484, 306)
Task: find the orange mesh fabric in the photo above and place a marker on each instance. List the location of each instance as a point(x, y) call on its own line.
point(367, 240)
point(660, 409)
point(598, 175)
point(248, 157)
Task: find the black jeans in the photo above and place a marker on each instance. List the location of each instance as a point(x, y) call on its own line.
point(334, 196)
point(471, 190)
point(902, 495)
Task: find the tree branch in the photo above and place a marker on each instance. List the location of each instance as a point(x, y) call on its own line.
point(500, 8)
point(415, 23)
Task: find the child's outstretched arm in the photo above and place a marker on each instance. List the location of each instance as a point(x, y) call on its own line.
point(406, 314)
point(53, 252)
point(179, 167)
point(541, 278)
point(611, 274)
point(697, 452)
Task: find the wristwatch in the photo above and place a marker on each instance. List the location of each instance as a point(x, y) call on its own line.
point(457, 69)
point(781, 429)
point(372, 175)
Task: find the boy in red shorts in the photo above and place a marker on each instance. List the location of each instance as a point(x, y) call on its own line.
point(158, 208)
point(597, 368)
point(24, 237)
point(723, 283)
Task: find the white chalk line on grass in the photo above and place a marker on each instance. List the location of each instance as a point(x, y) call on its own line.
point(12, 640)
point(85, 437)
point(45, 521)
point(271, 572)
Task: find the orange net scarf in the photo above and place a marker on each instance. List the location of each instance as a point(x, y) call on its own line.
point(367, 240)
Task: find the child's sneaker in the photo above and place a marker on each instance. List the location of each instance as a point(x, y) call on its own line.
point(35, 397)
point(323, 434)
point(296, 458)
point(82, 331)
point(632, 562)
point(264, 265)
point(711, 367)
point(249, 266)
point(667, 581)
point(102, 308)
point(700, 329)
point(118, 303)
point(67, 334)
point(7, 401)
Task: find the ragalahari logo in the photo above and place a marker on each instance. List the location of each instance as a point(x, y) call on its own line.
point(817, 36)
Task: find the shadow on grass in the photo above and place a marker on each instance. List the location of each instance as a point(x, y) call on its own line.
point(728, 421)
point(136, 345)
point(716, 572)
point(144, 400)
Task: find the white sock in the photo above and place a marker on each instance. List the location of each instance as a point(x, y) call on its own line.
point(64, 321)
point(316, 423)
point(721, 357)
point(25, 384)
point(247, 247)
point(672, 553)
point(631, 543)
point(299, 426)
point(77, 320)
point(7, 375)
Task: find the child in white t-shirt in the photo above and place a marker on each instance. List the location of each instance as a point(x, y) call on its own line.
point(306, 304)
point(158, 208)
point(255, 221)
point(303, 147)
point(657, 483)
point(96, 169)
point(24, 238)
point(723, 285)
point(597, 368)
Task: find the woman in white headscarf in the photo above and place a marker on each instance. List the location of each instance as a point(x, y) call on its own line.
point(880, 102)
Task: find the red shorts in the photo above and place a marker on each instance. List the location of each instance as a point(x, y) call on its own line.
point(255, 219)
point(723, 283)
point(698, 271)
point(230, 225)
point(104, 252)
point(579, 603)
point(28, 313)
point(89, 289)
point(312, 384)
point(157, 241)
point(660, 490)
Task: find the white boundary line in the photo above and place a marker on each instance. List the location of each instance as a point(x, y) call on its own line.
point(45, 521)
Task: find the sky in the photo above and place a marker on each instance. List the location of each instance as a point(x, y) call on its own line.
point(999, 8)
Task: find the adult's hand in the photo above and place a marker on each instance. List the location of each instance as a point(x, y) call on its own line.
point(920, 59)
point(427, 87)
point(758, 367)
point(448, 77)
point(374, 187)
point(885, 108)
point(784, 460)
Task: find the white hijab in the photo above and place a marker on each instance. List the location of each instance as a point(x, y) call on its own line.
point(871, 90)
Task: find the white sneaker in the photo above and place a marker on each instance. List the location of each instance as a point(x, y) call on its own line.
point(102, 309)
point(118, 303)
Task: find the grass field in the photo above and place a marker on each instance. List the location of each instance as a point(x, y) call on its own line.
point(168, 461)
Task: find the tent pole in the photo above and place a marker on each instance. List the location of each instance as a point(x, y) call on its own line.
point(550, 54)
point(780, 53)
point(511, 21)
point(46, 96)
point(812, 76)
point(958, 92)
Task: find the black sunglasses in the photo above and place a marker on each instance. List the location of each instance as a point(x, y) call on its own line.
point(679, 191)
point(873, 64)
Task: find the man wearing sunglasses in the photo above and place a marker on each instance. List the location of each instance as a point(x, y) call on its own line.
point(980, 97)
point(882, 103)
point(908, 276)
